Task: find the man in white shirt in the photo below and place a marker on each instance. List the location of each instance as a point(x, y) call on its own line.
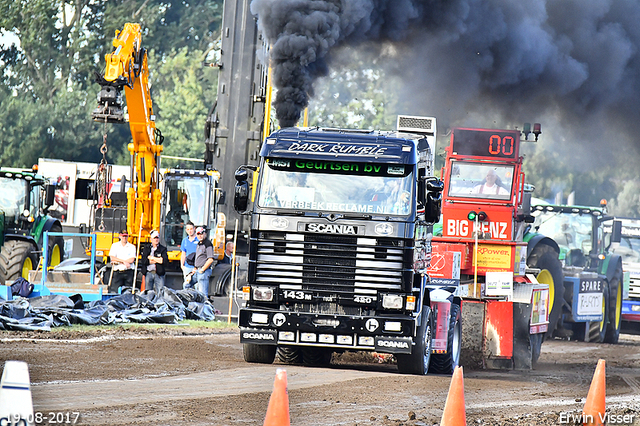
point(490, 186)
point(123, 256)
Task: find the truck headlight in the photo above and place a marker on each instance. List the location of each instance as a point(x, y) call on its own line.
point(263, 294)
point(392, 301)
point(635, 308)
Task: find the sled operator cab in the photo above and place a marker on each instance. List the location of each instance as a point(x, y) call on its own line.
point(479, 253)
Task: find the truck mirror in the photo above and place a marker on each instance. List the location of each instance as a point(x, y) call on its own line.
point(241, 175)
point(222, 197)
point(50, 194)
point(432, 207)
point(616, 231)
point(241, 196)
point(435, 185)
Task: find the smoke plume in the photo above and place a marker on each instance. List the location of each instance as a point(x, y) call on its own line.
point(574, 63)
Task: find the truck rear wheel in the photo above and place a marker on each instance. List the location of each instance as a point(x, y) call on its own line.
point(261, 354)
point(418, 361)
point(545, 258)
point(615, 308)
point(316, 357)
point(17, 258)
point(289, 355)
point(446, 363)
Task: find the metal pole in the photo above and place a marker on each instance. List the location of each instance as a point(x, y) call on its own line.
point(135, 270)
point(475, 260)
point(233, 269)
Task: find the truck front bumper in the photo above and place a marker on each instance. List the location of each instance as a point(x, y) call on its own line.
point(388, 334)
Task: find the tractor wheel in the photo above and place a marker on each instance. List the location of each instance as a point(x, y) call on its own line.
point(598, 330)
point(17, 258)
point(446, 363)
point(316, 357)
point(418, 361)
point(615, 308)
point(545, 258)
point(55, 248)
point(289, 355)
point(261, 354)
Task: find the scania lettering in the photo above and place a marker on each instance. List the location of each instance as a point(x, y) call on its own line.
point(341, 226)
point(331, 229)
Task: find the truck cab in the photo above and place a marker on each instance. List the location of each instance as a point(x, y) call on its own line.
point(339, 246)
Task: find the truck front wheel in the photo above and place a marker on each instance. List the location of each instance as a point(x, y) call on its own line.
point(261, 354)
point(446, 363)
point(418, 361)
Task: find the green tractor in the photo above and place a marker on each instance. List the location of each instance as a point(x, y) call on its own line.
point(586, 304)
point(25, 198)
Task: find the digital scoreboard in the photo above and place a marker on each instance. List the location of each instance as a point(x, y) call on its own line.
point(502, 144)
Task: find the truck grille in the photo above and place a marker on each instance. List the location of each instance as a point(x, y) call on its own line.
point(330, 263)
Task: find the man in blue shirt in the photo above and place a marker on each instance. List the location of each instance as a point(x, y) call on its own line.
point(187, 247)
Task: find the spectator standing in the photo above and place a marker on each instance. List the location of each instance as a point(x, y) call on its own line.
point(123, 256)
point(154, 259)
point(187, 247)
point(203, 262)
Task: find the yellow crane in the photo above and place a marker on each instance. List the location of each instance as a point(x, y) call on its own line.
point(126, 68)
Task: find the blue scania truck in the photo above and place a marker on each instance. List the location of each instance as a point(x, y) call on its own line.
point(339, 245)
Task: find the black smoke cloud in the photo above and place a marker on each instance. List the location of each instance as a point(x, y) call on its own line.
point(575, 62)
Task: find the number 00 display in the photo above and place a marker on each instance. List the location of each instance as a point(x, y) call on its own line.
point(486, 143)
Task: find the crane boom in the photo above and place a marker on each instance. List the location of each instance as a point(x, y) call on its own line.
point(126, 67)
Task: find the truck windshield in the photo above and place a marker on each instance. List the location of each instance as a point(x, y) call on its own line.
point(337, 187)
point(629, 247)
point(480, 180)
point(12, 197)
point(187, 198)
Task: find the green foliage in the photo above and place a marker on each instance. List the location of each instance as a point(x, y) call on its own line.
point(47, 89)
point(186, 91)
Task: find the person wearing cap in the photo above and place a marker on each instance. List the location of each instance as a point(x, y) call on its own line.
point(203, 262)
point(123, 256)
point(154, 259)
point(188, 247)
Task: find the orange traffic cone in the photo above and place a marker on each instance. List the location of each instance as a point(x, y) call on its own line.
point(454, 413)
point(278, 409)
point(594, 409)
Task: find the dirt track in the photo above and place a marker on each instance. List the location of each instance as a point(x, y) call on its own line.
point(176, 375)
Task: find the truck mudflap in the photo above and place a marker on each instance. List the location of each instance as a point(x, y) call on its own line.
point(380, 334)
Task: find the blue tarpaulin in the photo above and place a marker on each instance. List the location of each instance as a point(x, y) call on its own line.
point(44, 312)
